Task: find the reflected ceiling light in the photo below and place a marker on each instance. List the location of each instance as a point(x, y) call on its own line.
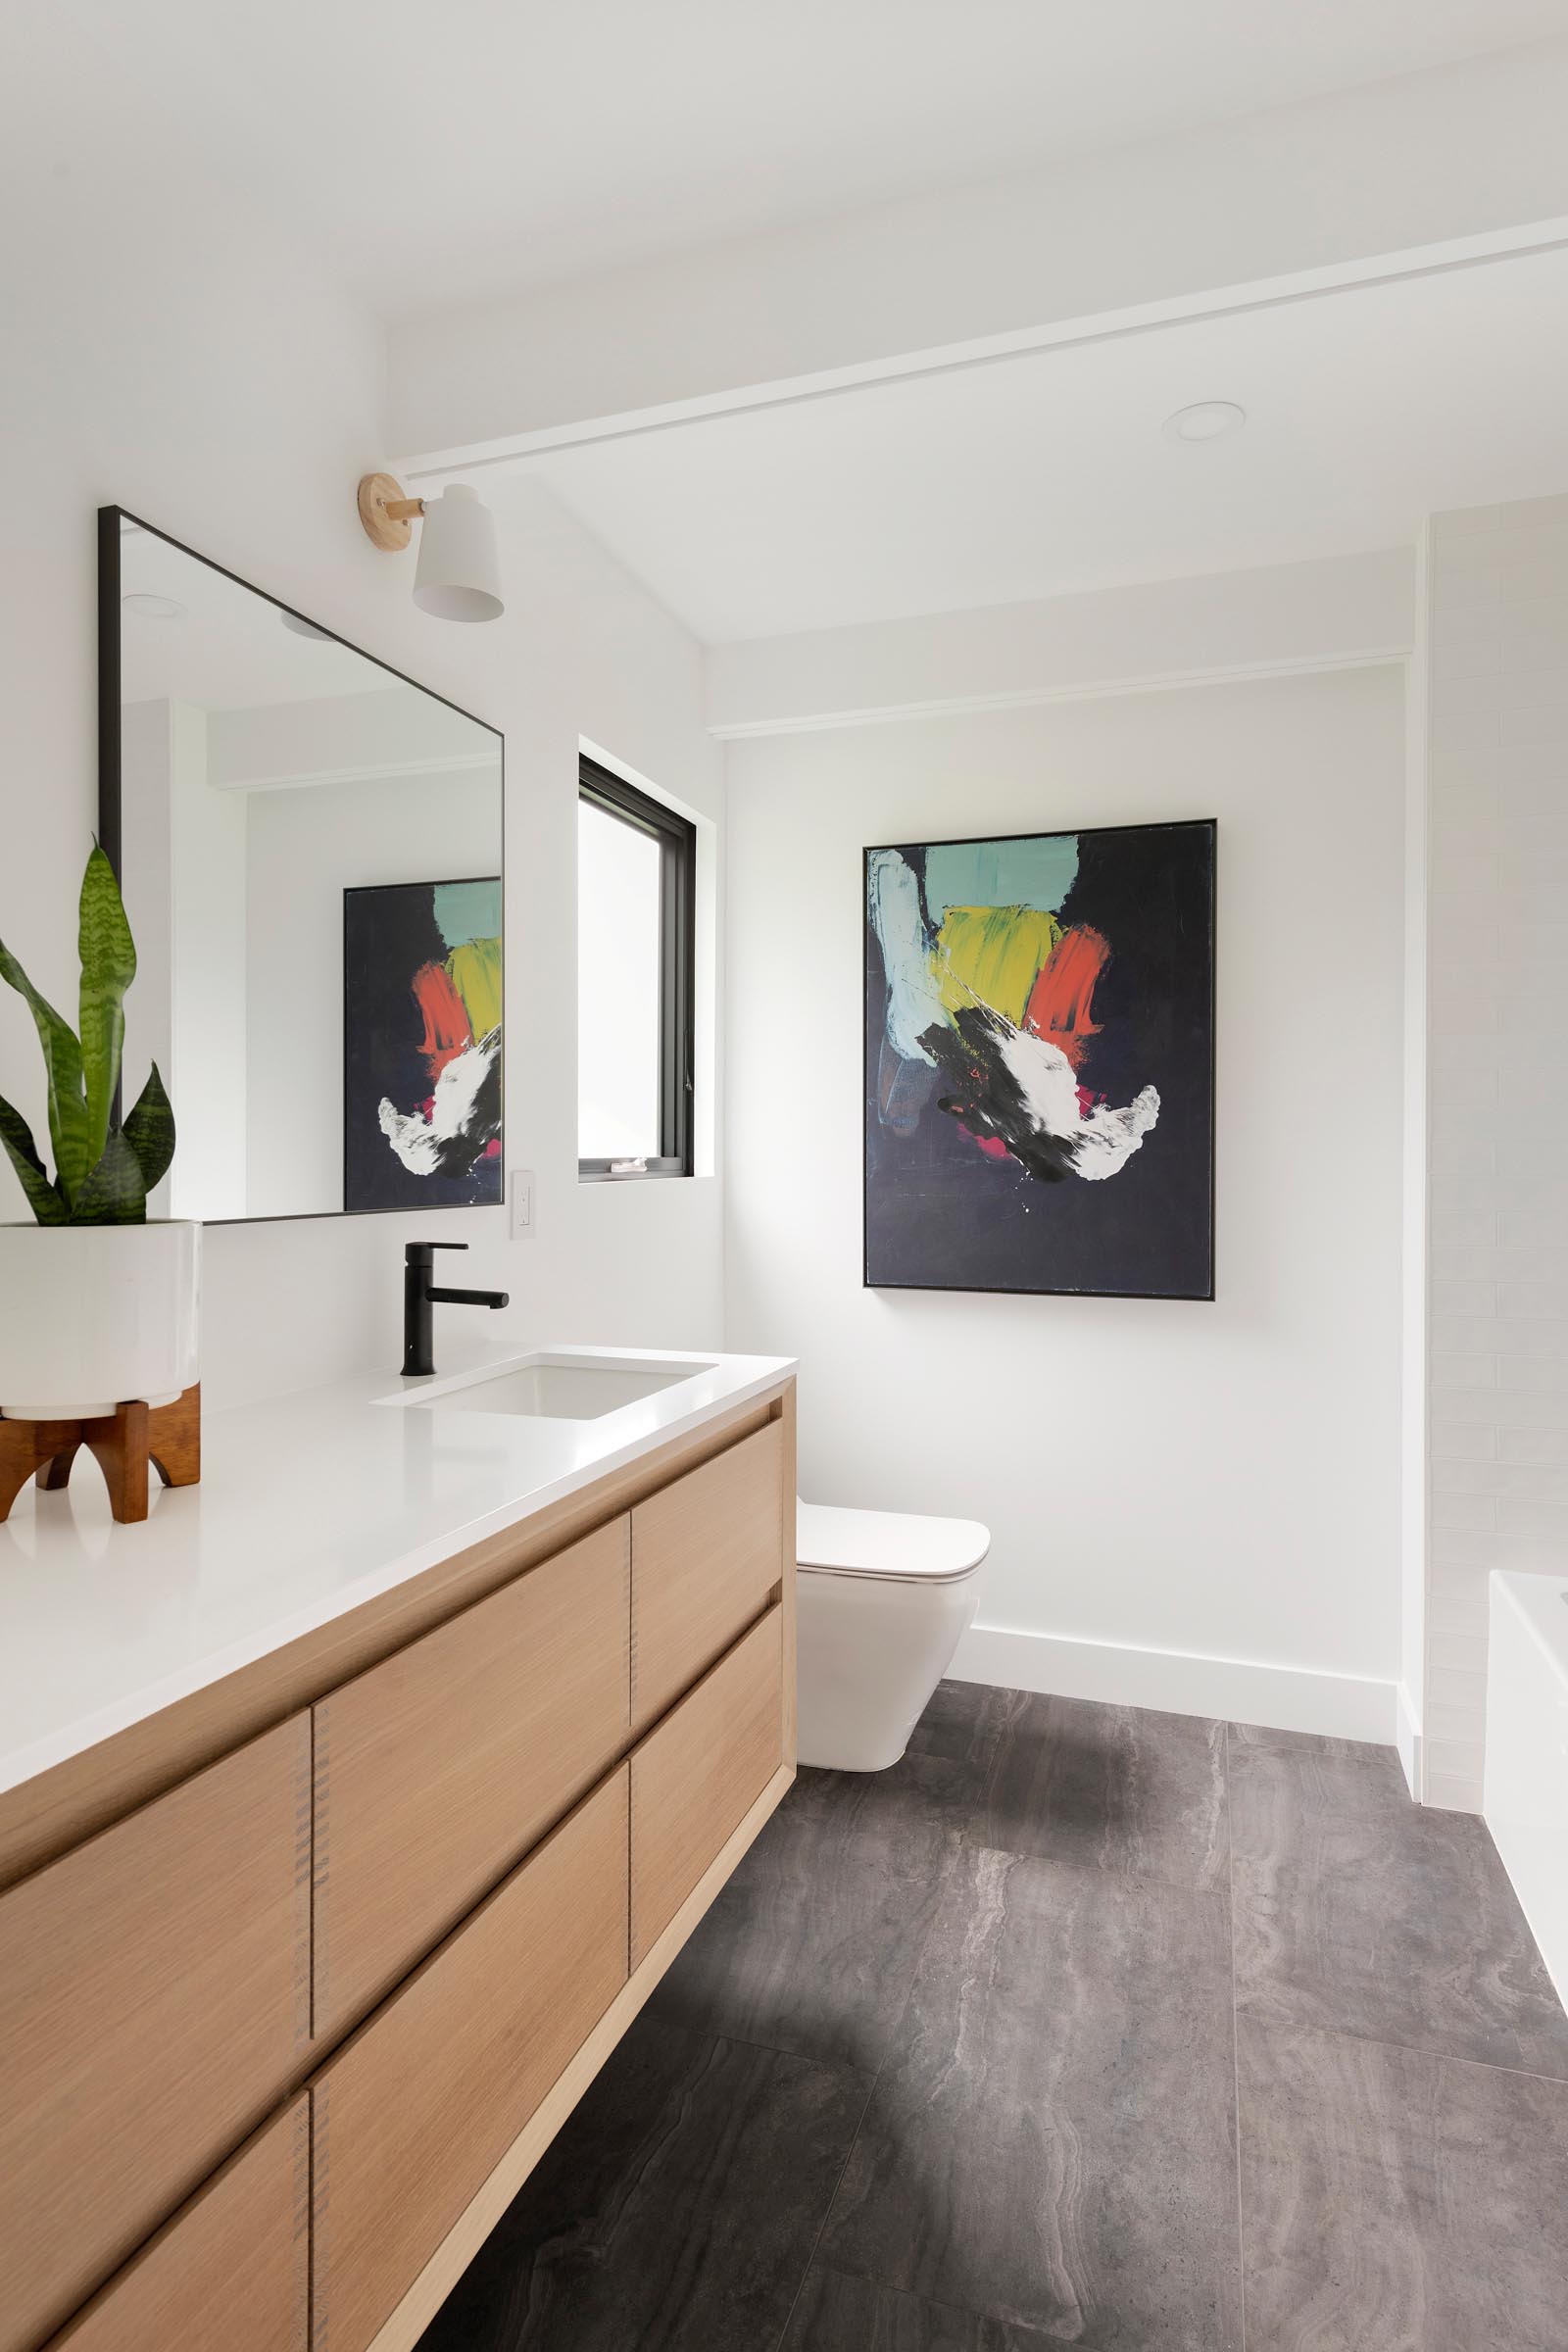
point(153, 608)
point(306, 628)
point(458, 576)
point(1205, 421)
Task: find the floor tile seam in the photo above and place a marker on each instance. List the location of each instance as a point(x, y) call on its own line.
point(894, 2032)
point(1374, 1817)
point(831, 2200)
point(776, 2049)
point(1408, 2049)
point(1236, 2051)
point(1304, 1851)
point(1279, 1853)
point(1380, 1803)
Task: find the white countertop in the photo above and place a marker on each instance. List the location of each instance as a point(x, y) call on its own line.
point(308, 1505)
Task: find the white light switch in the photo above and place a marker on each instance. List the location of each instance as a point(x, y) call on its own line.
point(521, 1181)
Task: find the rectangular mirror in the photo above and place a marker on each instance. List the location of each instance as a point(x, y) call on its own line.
point(310, 847)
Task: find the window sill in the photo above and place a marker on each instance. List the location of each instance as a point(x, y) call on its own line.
point(598, 1171)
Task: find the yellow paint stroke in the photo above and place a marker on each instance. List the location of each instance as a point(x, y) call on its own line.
point(991, 955)
point(476, 969)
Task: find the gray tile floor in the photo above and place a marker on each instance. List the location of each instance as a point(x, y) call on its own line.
point(1086, 2027)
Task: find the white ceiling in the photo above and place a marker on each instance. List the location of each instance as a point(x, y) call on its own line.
point(432, 153)
point(1046, 474)
point(228, 647)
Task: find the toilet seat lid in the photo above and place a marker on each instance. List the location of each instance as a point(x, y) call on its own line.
point(903, 1545)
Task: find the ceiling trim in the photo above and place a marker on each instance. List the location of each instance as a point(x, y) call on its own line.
point(512, 452)
point(360, 771)
point(1093, 690)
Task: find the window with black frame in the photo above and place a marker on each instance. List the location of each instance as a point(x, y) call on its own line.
point(636, 883)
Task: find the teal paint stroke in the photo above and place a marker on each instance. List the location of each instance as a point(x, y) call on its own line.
point(1036, 872)
point(914, 1004)
point(465, 910)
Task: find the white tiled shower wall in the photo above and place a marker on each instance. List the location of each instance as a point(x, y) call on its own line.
point(1498, 1054)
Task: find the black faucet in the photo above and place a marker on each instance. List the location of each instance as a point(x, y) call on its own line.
point(419, 1295)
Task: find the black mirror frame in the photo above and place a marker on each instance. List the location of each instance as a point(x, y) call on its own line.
point(111, 811)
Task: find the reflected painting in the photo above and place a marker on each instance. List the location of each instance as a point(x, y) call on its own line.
point(254, 768)
point(1040, 1063)
point(422, 1045)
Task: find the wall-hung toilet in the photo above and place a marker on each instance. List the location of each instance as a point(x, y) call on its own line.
point(883, 1599)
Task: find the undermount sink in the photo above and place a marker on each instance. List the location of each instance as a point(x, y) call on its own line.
point(557, 1387)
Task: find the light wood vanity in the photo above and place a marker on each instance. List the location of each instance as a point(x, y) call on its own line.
point(302, 1973)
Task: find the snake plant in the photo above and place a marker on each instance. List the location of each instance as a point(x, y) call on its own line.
point(103, 1173)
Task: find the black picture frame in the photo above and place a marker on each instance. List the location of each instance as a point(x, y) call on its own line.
point(1204, 829)
point(111, 520)
point(359, 891)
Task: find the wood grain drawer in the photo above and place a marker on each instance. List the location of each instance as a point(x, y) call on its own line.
point(156, 2001)
point(231, 2271)
point(694, 1777)
point(437, 1769)
point(706, 1555)
point(412, 2117)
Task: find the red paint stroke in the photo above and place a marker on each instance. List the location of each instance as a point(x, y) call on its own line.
point(447, 1032)
point(1061, 998)
point(492, 1150)
point(990, 1144)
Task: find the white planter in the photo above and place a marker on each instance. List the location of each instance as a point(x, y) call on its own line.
point(92, 1317)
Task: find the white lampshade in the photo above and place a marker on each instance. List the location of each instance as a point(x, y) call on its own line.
point(459, 572)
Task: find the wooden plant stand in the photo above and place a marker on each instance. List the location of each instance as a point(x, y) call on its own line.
point(124, 1442)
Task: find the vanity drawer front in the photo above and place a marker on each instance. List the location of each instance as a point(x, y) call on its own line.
point(413, 2115)
point(437, 1769)
point(156, 2003)
point(232, 2268)
point(695, 1778)
point(706, 1555)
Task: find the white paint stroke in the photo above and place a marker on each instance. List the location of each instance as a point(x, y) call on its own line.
point(1100, 1141)
point(914, 1004)
point(425, 1145)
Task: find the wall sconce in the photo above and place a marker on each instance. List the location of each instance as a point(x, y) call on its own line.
point(458, 576)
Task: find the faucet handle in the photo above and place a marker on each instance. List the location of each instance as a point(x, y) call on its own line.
point(417, 1254)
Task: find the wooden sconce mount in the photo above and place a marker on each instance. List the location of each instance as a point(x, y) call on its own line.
point(387, 516)
point(124, 1442)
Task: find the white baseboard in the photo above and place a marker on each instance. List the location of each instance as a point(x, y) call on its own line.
point(1285, 1699)
point(1408, 1738)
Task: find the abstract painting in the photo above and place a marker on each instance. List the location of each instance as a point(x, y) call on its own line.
point(1040, 1063)
point(422, 1045)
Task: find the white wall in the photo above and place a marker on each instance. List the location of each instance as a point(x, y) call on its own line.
point(210, 997)
point(1218, 1481)
point(146, 769)
point(1328, 613)
point(207, 380)
point(1498, 1417)
point(1413, 1267)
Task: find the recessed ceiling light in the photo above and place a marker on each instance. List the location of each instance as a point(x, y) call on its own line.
point(304, 628)
point(1205, 421)
point(153, 608)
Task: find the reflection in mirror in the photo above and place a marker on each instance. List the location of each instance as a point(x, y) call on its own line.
point(311, 855)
